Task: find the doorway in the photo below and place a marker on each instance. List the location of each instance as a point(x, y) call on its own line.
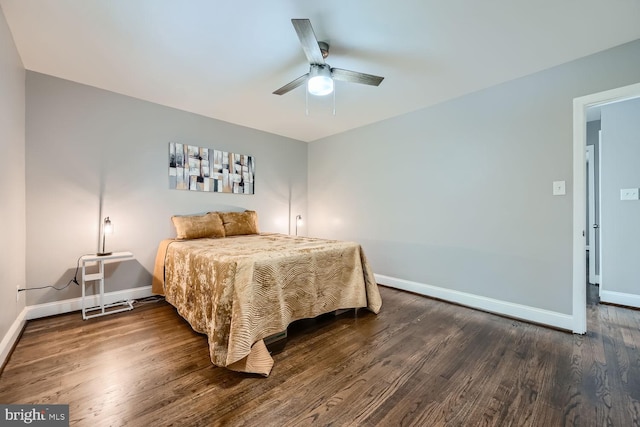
point(580, 106)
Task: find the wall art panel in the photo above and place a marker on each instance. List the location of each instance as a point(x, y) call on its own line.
point(205, 169)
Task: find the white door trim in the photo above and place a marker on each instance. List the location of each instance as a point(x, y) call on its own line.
point(580, 106)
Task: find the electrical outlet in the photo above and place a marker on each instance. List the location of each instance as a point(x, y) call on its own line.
point(629, 194)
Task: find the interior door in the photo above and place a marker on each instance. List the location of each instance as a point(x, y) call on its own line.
point(593, 226)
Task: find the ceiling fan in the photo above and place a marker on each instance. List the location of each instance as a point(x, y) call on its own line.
point(321, 76)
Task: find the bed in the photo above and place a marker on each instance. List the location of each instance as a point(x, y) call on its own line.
point(239, 289)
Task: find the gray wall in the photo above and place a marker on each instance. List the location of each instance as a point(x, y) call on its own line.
point(459, 195)
point(12, 186)
point(93, 153)
point(620, 162)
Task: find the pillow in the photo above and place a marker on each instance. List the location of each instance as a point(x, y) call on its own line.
point(198, 226)
point(239, 223)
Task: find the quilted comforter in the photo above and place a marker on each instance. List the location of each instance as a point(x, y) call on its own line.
point(238, 290)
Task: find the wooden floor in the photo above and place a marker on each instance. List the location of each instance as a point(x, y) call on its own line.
point(419, 362)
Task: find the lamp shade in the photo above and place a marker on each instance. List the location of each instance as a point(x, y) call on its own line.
point(298, 222)
point(108, 226)
point(320, 82)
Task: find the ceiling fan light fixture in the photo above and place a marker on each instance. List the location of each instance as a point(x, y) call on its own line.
point(320, 82)
point(320, 77)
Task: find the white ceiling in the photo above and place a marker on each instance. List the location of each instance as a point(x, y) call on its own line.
point(224, 59)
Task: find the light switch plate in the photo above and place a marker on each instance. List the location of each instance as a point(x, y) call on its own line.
point(559, 188)
point(629, 194)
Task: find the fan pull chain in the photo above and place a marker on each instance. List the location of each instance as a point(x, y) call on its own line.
point(306, 102)
point(334, 101)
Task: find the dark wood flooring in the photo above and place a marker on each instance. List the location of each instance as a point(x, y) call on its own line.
point(419, 362)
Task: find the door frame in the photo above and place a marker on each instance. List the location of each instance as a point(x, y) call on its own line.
point(580, 106)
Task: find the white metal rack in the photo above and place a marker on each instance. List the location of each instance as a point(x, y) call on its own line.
point(102, 309)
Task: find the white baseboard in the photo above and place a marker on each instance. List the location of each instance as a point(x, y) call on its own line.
point(60, 307)
point(504, 308)
point(620, 298)
point(12, 336)
point(75, 304)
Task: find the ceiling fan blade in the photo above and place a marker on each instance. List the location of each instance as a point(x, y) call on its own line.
point(355, 77)
point(308, 40)
point(291, 85)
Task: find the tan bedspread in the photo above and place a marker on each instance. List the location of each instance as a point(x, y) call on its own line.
point(238, 290)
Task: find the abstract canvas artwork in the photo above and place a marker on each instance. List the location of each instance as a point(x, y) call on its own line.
point(205, 169)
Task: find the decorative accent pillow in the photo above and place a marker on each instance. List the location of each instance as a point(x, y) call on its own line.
point(198, 226)
point(239, 223)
